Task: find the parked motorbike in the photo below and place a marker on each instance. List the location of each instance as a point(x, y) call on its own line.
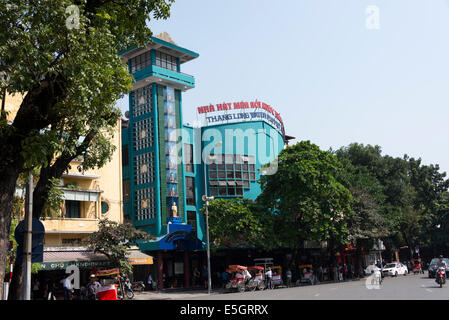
point(441, 276)
point(138, 286)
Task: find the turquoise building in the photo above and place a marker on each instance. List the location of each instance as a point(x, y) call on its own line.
point(168, 166)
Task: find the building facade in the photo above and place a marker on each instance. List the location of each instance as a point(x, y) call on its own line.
point(169, 166)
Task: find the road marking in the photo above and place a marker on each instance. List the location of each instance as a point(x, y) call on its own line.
point(317, 295)
point(429, 290)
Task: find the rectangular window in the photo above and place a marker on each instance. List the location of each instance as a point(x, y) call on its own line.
point(72, 209)
point(191, 219)
point(188, 157)
point(190, 191)
point(125, 155)
point(126, 190)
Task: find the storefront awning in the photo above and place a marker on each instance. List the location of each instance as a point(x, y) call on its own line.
point(137, 257)
point(60, 260)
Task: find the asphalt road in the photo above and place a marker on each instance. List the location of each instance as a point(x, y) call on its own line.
point(410, 287)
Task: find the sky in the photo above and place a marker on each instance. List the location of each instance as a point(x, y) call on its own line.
point(333, 78)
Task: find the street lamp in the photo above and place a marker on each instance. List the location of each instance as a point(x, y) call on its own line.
point(206, 199)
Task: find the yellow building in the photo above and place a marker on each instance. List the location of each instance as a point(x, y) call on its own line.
point(88, 197)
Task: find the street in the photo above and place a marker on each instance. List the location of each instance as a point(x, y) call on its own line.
point(410, 287)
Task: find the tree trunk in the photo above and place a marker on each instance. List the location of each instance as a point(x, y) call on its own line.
point(7, 189)
point(15, 288)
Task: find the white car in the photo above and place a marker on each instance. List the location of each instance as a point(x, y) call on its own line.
point(394, 269)
point(371, 268)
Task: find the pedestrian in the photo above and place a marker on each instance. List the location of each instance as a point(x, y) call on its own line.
point(205, 277)
point(268, 277)
point(92, 288)
point(49, 290)
point(36, 289)
point(196, 276)
point(67, 285)
point(289, 278)
point(224, 278)
point(320, 273)
point(150, 282)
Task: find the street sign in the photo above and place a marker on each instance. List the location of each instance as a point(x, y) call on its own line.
point(38, 232)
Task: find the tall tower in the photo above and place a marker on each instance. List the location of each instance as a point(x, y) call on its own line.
point(153, 176)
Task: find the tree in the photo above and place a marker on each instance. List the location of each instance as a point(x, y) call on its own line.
point(307, 199)
point(233, 223)
point(64, 60)
point(114, 240)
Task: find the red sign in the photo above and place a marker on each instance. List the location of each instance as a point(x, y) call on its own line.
point(239, 106)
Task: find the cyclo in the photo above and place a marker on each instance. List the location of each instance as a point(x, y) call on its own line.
point(417, 266)
point(276, 279)
point(112, 285)
point(257, 281)
point(305, 275)
point(237, 281)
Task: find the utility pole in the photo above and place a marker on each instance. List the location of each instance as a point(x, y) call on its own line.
point(209, 280)
point(27, 235)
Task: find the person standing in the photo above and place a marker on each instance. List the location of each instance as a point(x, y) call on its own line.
point(67, 285)
point(36, 289)
point(150, 282)
point(268, 276)
point(92, 288)
point(289, 278)
point(204, 276)
point(224, 278)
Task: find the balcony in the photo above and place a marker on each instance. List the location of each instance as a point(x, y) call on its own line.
point(163, 76)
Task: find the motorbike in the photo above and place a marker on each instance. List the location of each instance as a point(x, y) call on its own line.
point(138, 286)
point(441, 276)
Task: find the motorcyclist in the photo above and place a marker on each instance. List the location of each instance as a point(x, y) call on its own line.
point(442, 264)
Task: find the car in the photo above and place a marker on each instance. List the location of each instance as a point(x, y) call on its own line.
point(371, 268)
point(394, 269)
point(433, 266)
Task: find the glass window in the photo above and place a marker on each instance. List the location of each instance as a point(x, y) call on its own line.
point(212, 166)
point(245, 167)
point(214, 191)
point(188, 157)
point(190, 191)
point(238, 167)
point(221, 174)
point(221, 167)
point(245, 175)
point(252, 167)
point(239, 191)
point(238, 175)
point(212, 174)
point(231, 191)
point(252, 176)
point(229, 167)
point(72, 209)
point(191, 219)
point(222, 191)
point(125, 155)
point(126, 190)
point(230, 174)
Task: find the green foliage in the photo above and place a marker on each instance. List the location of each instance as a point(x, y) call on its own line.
point(114, 240)
point(309, 202)
point(232, 223)
point(54, 200)
point(397, 199)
